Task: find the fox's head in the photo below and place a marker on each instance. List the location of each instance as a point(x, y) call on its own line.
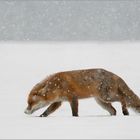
point(41, 95)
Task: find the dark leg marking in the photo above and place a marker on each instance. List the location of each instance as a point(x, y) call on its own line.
point(123, 103)
point(124, 108)
point(74, 106)
point(51, 109)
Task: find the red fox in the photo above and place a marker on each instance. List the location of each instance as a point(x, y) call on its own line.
point(70, 86)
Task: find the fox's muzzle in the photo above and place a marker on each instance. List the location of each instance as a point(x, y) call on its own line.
point(27, 111)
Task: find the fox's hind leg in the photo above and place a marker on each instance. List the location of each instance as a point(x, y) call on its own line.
point(51, 109)
point(106, 106)
point(123, 103)
point(124, 107)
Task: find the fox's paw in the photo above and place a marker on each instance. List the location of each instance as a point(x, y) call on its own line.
point(125, 112)
point(43, 115)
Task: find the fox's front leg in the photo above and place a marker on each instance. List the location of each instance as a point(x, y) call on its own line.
point(74, 105)
point(51, 109)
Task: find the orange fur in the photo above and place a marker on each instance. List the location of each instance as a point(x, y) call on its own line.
point(70, 86)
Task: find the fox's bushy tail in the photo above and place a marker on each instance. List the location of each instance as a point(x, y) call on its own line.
point(131, 99)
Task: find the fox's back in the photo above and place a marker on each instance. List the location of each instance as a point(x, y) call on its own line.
point(91, 76)
point(89, 82)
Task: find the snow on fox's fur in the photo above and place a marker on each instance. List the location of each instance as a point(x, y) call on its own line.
point(71, 86)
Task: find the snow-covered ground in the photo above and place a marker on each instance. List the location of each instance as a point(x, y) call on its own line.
point(22, 65)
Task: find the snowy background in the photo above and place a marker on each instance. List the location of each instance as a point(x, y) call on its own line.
point(22, 65)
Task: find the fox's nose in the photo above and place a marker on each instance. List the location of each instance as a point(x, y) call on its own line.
point(27, 111)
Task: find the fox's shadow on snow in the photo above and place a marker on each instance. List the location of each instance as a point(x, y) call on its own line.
point(87, 116)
